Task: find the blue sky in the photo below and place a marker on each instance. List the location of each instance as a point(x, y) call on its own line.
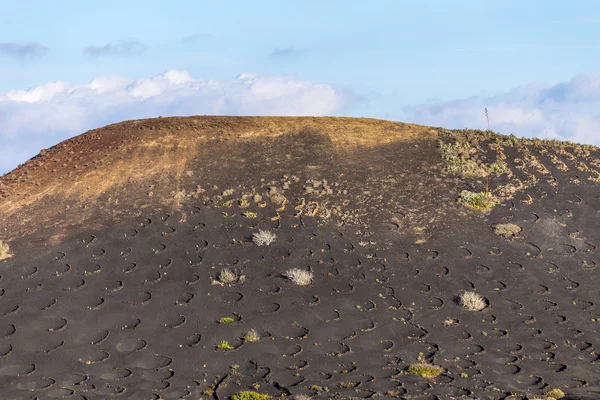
point(70, 66)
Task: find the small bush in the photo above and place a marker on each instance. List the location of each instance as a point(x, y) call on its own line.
point(472, 301)
point(227, 276)
point(4, 251)
point(425, 370)
point(499, 168)
point(299, 276)
point(224, 345)
point(248, 395)
point(555, 394)
point(507, 230)
point(252, 336)
point(226, 320)
point(264, 238)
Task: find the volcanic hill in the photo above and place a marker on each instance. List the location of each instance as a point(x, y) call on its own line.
point(234, 257)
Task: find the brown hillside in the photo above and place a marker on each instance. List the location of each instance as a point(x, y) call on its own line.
point(141, 164)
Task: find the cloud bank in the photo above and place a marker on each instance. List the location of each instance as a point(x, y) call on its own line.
point(282, 52)
point(46, 114)
point(23, 50)
point(567, 111)
point(119, 49)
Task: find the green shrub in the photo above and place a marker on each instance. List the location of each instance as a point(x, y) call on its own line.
point(555, 394)
point(425, 370)
point(248, 395)
point(478, 201)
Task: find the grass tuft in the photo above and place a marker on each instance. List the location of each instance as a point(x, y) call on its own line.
point(224, 345)
point(299, 276)
point(425, 370)
point(472, 301)
point(252, 336)
point(264, 238)
point(227, 276)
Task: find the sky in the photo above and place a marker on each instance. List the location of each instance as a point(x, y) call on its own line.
point(70, 66)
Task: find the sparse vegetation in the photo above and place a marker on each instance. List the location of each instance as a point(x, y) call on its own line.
point(224, 345)
point(507, 230)
point(252, 336)
point(425, 370)
point(299, 276)
point(248, 395)
point(460, 159)
point(472, 301)
point(227, 276)
point(226, 320)
point(264, 238)
point(555, 394)
point(4, 251)
point(319, 389)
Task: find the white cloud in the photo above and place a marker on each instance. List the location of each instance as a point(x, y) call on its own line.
point(37, 94)
point(48, 113)
point(567, 110)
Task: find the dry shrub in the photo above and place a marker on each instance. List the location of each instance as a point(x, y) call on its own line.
point(4, 251)
point(263, 238)
point(299, 276)
point(227, 276)
point(472, 301)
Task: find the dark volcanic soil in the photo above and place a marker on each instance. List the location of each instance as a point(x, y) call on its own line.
point(111, 292)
